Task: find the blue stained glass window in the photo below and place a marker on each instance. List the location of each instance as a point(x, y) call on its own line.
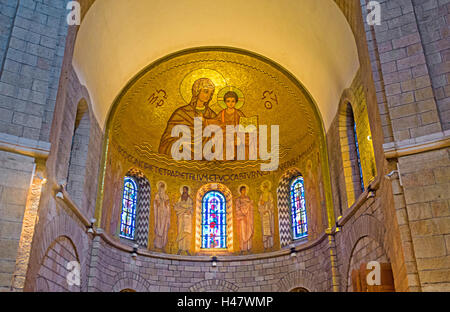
point(298, 209)
point(129, 204)
point(214, 220)
point(358, 157)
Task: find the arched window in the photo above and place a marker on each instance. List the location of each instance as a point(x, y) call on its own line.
point(298, 209)
point(129, 204)
point(354, 146)
point(76, 174)
point(214, 220)
point(299, 289)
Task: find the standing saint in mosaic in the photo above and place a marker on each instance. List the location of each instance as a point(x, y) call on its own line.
point(313, 196)
point(244, 216)
point(231, 99)
point(161, 206)
point(114, 178)
point(266, 207)
point(184, 209)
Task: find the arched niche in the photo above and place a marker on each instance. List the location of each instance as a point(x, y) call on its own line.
point(76, 174)
point(198, 216)
point(146, 107)
point(329, 60)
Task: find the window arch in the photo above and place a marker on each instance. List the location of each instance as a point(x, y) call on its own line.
point(142, 207)
point(299, 289)
point(214, 220)
point(78, 157)
point(354, 148)
point(299, 220)
point(353, 126)
point(129, 207)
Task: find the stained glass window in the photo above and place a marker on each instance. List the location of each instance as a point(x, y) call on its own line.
point(357, 156)
point(129, 204)
point(214, 220)
point(298, 209)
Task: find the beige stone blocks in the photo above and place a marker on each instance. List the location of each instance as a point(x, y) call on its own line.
point(419, 211)
point(426, 184)
point(429, 247)
point(15, 178)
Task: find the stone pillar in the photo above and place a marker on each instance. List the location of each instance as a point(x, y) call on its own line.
point(410, 67)
point(32, 42)
point(15, 178)
point(407, 83)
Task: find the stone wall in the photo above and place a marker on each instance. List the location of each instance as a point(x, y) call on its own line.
point(77, 155)
point(410, 99)
point(63, 240)
point(341, 145)
point(433, 25)
point(366, 224)
point(55, 218)
point(32, 41)
point(15, 179)
point(113, 270)
point(53, 273)
point(403, 81)
point(7, 13)
point(32, 64)
point(408, 55)
point(54, 215)
point(426, 183)
point(366, 248)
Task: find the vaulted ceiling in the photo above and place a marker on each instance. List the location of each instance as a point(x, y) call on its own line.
point(309, 38)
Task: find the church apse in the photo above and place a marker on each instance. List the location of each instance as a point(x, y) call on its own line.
point(220, 88)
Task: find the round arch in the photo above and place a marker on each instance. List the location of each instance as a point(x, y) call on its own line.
point(364, 226)
point(283, 203)
point(365, 250)
point(329, 59)
point(130, 281)
point(143, 211)
point(317, 115)
point(214, 285)
point(61, 253)
point(198, 213)
point(298, 279)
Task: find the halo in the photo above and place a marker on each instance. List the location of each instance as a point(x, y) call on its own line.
point(221, 102)
point(157, 185)
point(239, 188)
point(186, 85)
point(264, 182)
point(181, 189)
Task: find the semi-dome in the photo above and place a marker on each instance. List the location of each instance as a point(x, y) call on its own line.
point(142, 137)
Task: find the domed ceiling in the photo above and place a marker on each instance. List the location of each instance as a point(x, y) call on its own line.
point(311, 39)
point(267, 96)
point(139, 132)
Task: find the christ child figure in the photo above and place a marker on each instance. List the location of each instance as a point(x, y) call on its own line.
point(230, 115)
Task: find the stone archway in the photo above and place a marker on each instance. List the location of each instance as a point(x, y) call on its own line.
point(55, 274)
point(364, 226)
point(143, 210)
point(299, 289)
point(55, 229)
point(214, 285)
point(130, 281)
point(297, 279)
point(198, 212)
point(284, 204)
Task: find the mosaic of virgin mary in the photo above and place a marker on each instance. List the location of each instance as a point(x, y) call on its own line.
point(202, 93)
